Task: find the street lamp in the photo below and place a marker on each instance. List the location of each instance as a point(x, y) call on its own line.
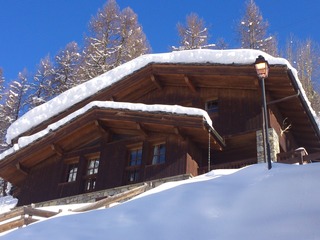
point(262, 68)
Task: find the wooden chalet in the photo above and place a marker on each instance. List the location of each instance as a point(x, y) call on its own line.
point(157, 116)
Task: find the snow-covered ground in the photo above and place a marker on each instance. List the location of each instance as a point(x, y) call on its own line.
point(251, 203)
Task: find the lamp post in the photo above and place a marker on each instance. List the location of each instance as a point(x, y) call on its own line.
point(262, 68)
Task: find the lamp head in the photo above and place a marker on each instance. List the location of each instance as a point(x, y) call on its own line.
point(262, 67)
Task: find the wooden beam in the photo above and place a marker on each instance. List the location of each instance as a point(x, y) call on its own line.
point(22, 168)
point(112, 199)
point(178, 132)
point(57, 149)
point(156, 82)
point(141, 129)
point(103, 130)
point(312, 157)
point(190, 84)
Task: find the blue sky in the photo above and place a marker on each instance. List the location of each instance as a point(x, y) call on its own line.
point(31, 29)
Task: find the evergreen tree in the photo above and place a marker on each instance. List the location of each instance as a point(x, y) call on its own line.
point(194, 34)
point(252, 31)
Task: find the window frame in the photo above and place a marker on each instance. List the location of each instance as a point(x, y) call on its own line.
point(91, 172)
point(72, 172)
point(159, 156)
point(137, 153)
point(73, 161)
point(212, 105)
point(133, 167)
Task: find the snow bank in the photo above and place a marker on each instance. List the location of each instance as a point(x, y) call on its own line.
point(7, 203)
point(67, 99)
point(252, 203)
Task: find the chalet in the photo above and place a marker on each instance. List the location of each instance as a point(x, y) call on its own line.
point(157, 116)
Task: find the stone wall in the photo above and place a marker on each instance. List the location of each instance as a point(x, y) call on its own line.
point(274, 145)
point(94, 196)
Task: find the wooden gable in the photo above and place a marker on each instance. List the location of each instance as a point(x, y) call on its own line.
point(98, 123)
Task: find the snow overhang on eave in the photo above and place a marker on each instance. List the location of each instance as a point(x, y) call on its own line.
point(312, 116)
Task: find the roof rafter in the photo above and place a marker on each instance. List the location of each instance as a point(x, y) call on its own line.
point(190, 84)
point(156, 82)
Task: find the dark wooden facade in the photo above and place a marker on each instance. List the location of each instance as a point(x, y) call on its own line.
point(230, 93)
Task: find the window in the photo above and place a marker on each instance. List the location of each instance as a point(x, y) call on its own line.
point(93, 166)
point(133, 176)
point(212, 106)
point(72, 172)
point(91, 173)
point(134, 163)
point(159, 153)
point(90, 184)
point(135, 157)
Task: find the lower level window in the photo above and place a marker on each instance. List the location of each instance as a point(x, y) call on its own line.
point(133, 176)
point(159, 154)
point(91, 173)
point(90, 184)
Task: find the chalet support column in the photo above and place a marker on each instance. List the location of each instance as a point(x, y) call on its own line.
point(274, 145)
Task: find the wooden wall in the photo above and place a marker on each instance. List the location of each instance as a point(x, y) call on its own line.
point(49, 181)
point(237, 119)
point(244, 104)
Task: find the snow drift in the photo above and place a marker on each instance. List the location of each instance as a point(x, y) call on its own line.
point(252, 203)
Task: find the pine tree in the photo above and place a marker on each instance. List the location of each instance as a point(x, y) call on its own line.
point(252, 31)
point(132, 41)
point(104, 28)
point(16, 98)
point(41, 87)
point(305, 57)
point(66, 69)
point(221, 44)
point(194, 34)
point(1, 84)
point(116, 37)
point(3, 126)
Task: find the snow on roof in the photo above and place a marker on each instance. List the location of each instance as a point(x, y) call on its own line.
point(69, 98)
point(170, 109)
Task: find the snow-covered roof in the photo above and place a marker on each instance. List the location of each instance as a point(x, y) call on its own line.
point(69, 98)
point(154, 108)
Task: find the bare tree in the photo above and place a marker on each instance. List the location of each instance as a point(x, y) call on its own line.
point(305, 57)
point(132, 42)
point(3, 126)
point(193, 34)
point(66, 69)
point(2, 80)
point(253, 31)
point(116, 37)
point(40, 88)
